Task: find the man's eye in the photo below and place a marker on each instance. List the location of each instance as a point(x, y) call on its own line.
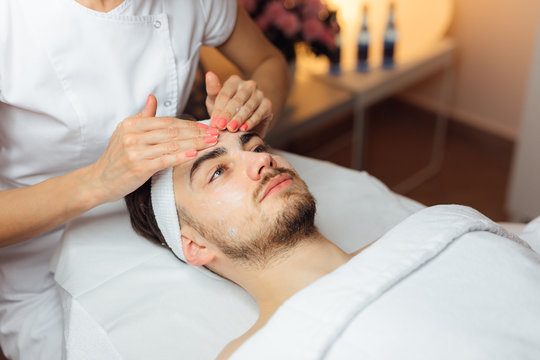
point(260, 148)
point(220, 170)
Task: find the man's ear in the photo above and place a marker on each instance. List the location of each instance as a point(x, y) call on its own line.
point(196, 253)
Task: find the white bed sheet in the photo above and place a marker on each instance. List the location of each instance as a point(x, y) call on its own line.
point(127, 298)
point(133, 299)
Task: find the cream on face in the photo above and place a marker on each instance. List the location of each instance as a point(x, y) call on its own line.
point(220, 184)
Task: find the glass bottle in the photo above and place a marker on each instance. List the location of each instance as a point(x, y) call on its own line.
point(335, 57)
point(363, 44)
point(390, 37)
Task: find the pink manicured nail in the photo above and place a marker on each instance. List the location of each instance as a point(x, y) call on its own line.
point(210, 139)
point(221, 122)
point(212, 131)
point(233, 125)
point(244, 127)
point(148, 99)
point(201, 125)
point(191, 153)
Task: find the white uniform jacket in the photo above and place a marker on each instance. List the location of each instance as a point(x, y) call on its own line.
point(68, 76)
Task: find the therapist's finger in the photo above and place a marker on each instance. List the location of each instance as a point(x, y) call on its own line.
point(246, 111)
point(220, 117)
point(174, 133)
point(237, 102)
point(150, 108)
point(176, 147)
point(140, 125)
point(213, 86)
point(263, 113)
point(170, 160)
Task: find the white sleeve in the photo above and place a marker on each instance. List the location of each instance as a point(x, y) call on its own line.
point(219, 19)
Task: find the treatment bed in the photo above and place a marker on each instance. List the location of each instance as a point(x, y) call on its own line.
point(127, 298)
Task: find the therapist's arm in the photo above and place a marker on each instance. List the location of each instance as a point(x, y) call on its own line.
point(33, 210)
point(258, 60)
point(139, 147)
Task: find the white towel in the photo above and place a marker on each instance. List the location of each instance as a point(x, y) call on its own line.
point(446, 283)
point(84, 339)
point(531, 234)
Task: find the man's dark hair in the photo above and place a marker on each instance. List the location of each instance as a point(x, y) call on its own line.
point(142, 215)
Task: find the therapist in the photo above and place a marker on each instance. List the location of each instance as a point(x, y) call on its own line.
point(79, 129)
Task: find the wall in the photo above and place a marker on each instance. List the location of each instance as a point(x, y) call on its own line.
point(524, 196)
point(496, 40)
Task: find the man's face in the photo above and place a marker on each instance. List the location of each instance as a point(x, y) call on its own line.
point(249, 203)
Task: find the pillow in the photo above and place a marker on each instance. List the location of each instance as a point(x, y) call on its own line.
point(151, 305)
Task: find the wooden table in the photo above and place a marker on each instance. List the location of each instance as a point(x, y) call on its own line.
point(311, 103)
point(379, 84)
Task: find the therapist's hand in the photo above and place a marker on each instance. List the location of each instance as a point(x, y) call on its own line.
point(141, 146)
point(237, 105)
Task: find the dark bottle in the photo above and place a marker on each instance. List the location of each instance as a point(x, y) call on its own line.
point(363, 44)
point(390, 36)
point(335, 57)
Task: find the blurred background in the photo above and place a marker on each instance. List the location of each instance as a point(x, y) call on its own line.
point(479, 89)
point(463, 75)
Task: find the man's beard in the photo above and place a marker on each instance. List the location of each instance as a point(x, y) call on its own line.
point(275, 237)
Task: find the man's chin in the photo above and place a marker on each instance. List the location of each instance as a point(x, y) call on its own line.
point(287, 217)
point(297, 215)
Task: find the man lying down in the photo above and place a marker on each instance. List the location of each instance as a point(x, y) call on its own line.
point(446, 283)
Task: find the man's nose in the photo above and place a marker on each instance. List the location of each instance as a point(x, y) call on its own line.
point(259, 164)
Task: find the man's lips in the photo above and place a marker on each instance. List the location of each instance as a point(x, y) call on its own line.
point(276, 184)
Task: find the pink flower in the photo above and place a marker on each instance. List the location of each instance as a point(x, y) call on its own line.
point(314, 3)
point(334, 27)
point(274, 10)
point(249, 5)
point(313, 8)
point(312, 29)
point(288, 23)
point(328, 40)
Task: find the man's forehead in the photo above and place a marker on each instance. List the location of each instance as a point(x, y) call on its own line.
point(226, 141)
point(230, 141)
point(227, 138)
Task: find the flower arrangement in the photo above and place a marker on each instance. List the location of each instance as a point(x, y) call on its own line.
point(287, 22)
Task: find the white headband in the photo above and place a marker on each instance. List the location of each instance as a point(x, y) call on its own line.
point(164, 206)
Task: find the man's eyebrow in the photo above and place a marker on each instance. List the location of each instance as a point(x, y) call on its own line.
point(244, 138)
point(220, 151)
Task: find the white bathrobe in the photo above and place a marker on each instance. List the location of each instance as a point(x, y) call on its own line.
point(446, 283)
